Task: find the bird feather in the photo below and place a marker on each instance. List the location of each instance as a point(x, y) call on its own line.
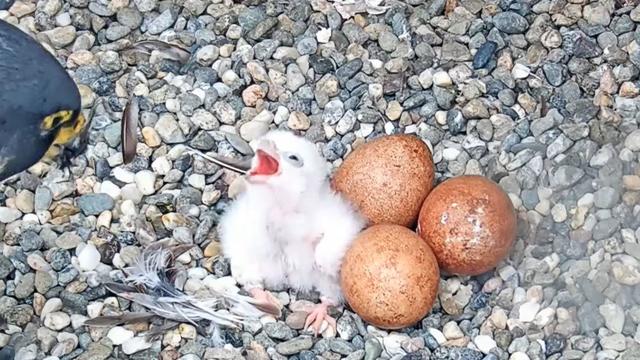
point(240, 166)
point(148, 284)
point(129, 129)
point(114, 320)
point(167, 50)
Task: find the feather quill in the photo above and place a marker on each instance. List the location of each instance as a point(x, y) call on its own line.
point(241, 166)
point(167, 50)
point(129, 129)
point(149, 283)
point(115, 320)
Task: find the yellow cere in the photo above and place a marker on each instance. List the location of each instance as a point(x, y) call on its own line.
point(56, 119)
point(70, 131)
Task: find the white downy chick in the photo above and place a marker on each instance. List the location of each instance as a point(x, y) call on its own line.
point(288, 227)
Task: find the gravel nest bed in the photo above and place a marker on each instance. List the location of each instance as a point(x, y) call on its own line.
point(540, 96)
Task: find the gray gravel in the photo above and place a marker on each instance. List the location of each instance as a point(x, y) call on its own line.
point(540, 96)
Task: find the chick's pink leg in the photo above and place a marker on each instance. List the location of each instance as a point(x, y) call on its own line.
point(266, 301)
point(318, 315)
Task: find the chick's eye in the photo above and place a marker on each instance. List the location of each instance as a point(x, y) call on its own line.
point(295, 160)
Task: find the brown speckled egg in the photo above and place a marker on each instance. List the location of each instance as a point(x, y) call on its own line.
point(470, 223)
point(387, 179)
point(390, 276)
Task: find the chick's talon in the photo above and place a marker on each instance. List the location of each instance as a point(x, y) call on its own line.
point(266, 302)
point(317, 317)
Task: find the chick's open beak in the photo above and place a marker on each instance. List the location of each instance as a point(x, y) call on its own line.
point(265, 162)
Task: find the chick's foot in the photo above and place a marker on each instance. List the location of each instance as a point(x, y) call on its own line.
point(317, 317)
point(266, 302)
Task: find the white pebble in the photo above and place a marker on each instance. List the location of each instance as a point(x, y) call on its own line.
point(484, 343)
point(376, 64)
point(187, 331)
point(111, 189)
point(128, 208)
point(393, 343)
point(426, 78)
point(52, 305)
point(544, 317)
point(135, 345)
point(117, 261)
point(145, 181)
point(94, 309)
point(441, 117)
point(123, 175)
point(118, 335)
point(37, 262)
point(586, 200)
point(499, 318)
point(185, 258)
point(172, 105)
point(77, 321)
point(365, 130)
point(199, 93)
point(628, 236)
point(323, 35)
point(520, 71)
point(223, 284)
point(375, 90)
point(559, 213)
point(552, 261)
point(442, 79)
point(450, 154)
point(281, 115)
point(389, 128)
point(543, 207)
point(207, 54)
point(131, 192)
point(9, 215)
point(507, 272)
point(451, 330)
point(57, 320)
point(229, 77)
point(161, 165)
point(254, 129)
point(191, 286)
point(88, 258)
point(528, 311)
point(519, 295)
point(63, 19)
point(438, 335)
point(632, 142)
point(519, 355)
point(197, 181)
point(626, 155)
point(197, 273)
point(31, 218)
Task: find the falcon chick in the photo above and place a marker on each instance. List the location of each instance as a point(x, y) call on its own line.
point(288, 227)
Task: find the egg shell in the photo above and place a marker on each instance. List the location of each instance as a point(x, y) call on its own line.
point(387, 179)
point(470, 223)
point(390, 276)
